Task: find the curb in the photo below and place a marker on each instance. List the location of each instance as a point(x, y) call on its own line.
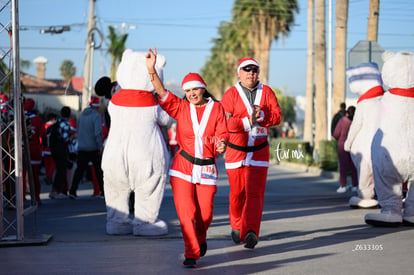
point(308, 169)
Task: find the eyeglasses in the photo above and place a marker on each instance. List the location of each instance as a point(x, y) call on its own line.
point(250, 68)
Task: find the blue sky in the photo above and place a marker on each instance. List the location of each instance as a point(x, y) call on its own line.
point(183, 31)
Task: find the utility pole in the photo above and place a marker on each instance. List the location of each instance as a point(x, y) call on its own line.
point(88, 66)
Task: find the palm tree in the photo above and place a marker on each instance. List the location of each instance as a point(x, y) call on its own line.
point(310, 77)
point(116, 48)
point(255, 24)
point(67, 69)
point(320, 75)
point(220, 67)
point(261, 22)
point(339, 82)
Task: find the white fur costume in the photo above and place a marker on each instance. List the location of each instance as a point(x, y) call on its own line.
point(365, 81)
point(393, 144)
point(135, 156)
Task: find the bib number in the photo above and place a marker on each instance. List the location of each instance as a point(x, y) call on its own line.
point(209, 171)
point(259, 132)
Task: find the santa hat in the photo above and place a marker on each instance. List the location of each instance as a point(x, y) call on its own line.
point(29, 104)
point(246, 62)
point(95, 101)
point(193, 80)
point(3, 98)
point(3, 102)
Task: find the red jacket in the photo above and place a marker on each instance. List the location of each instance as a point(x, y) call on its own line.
point(210, 122)
point(38, 133)
point(244, 135)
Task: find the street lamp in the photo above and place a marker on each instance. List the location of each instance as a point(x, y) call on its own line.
point(55, 29)
point(125, 26)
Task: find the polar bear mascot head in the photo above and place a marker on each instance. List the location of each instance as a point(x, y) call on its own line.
point(132, 72)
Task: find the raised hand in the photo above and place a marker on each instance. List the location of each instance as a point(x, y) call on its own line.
point(151, 59)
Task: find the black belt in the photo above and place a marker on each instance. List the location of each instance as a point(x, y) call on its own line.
point(248, 148)
point(197, 161)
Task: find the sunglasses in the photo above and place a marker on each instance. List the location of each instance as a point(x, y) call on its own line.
point(250, 69)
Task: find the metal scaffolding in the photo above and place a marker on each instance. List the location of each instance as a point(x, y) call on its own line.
point(14, 151)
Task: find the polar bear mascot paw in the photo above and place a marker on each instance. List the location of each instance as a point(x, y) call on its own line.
point(358, 202)
point(392, 146)
point(158, 228)
point(114, 228)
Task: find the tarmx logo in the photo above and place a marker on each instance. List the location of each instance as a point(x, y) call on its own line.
point(288, 153)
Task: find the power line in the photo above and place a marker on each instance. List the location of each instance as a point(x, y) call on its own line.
point(181, 49)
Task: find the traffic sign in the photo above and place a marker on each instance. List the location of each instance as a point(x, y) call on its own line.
point(365, 51)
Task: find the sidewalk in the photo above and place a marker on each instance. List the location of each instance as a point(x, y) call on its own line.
point(307, 228)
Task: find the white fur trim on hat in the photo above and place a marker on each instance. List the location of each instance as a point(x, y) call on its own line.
point(193, 84)
point(193, 80)
point(246, 62)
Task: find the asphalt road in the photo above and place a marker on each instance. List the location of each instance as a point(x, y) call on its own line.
point(307, 228)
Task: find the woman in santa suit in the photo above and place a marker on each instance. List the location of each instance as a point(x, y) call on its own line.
point(201, 135)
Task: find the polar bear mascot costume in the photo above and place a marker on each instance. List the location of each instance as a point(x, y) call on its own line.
point(392, 148)
point(135, 156)
point(364, 80)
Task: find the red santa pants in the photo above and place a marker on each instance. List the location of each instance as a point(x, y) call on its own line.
point(247, 187)
point(194, 205)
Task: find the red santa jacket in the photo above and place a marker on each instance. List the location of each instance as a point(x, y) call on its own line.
point(248, 143)
point(38, 133)
point(199, 129)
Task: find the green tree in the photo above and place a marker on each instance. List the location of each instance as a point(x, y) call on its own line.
point(67, 69)
point(116, 49)
point(6, 79)
point(287, 105)
point(262, 21)
point(219, 70)
point(254, 25)
point(25, 64)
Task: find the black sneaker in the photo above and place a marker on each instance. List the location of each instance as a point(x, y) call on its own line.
point(235, 235)
point(189, 263)
point(203, 249)
point(250, 239)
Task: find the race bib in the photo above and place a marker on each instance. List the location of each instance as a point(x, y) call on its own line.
point(259, 132)
point(209, 171)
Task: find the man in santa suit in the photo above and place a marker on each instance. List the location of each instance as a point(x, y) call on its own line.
point(251, 108)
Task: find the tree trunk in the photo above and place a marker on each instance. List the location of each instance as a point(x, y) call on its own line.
point(320, 75)
point(261, 40)
point(113, 68)
point(339, 82)
point(310, 77)
point(373, 16)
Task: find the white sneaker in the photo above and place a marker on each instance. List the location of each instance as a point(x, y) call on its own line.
point(341, 189)
point(354, 188)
